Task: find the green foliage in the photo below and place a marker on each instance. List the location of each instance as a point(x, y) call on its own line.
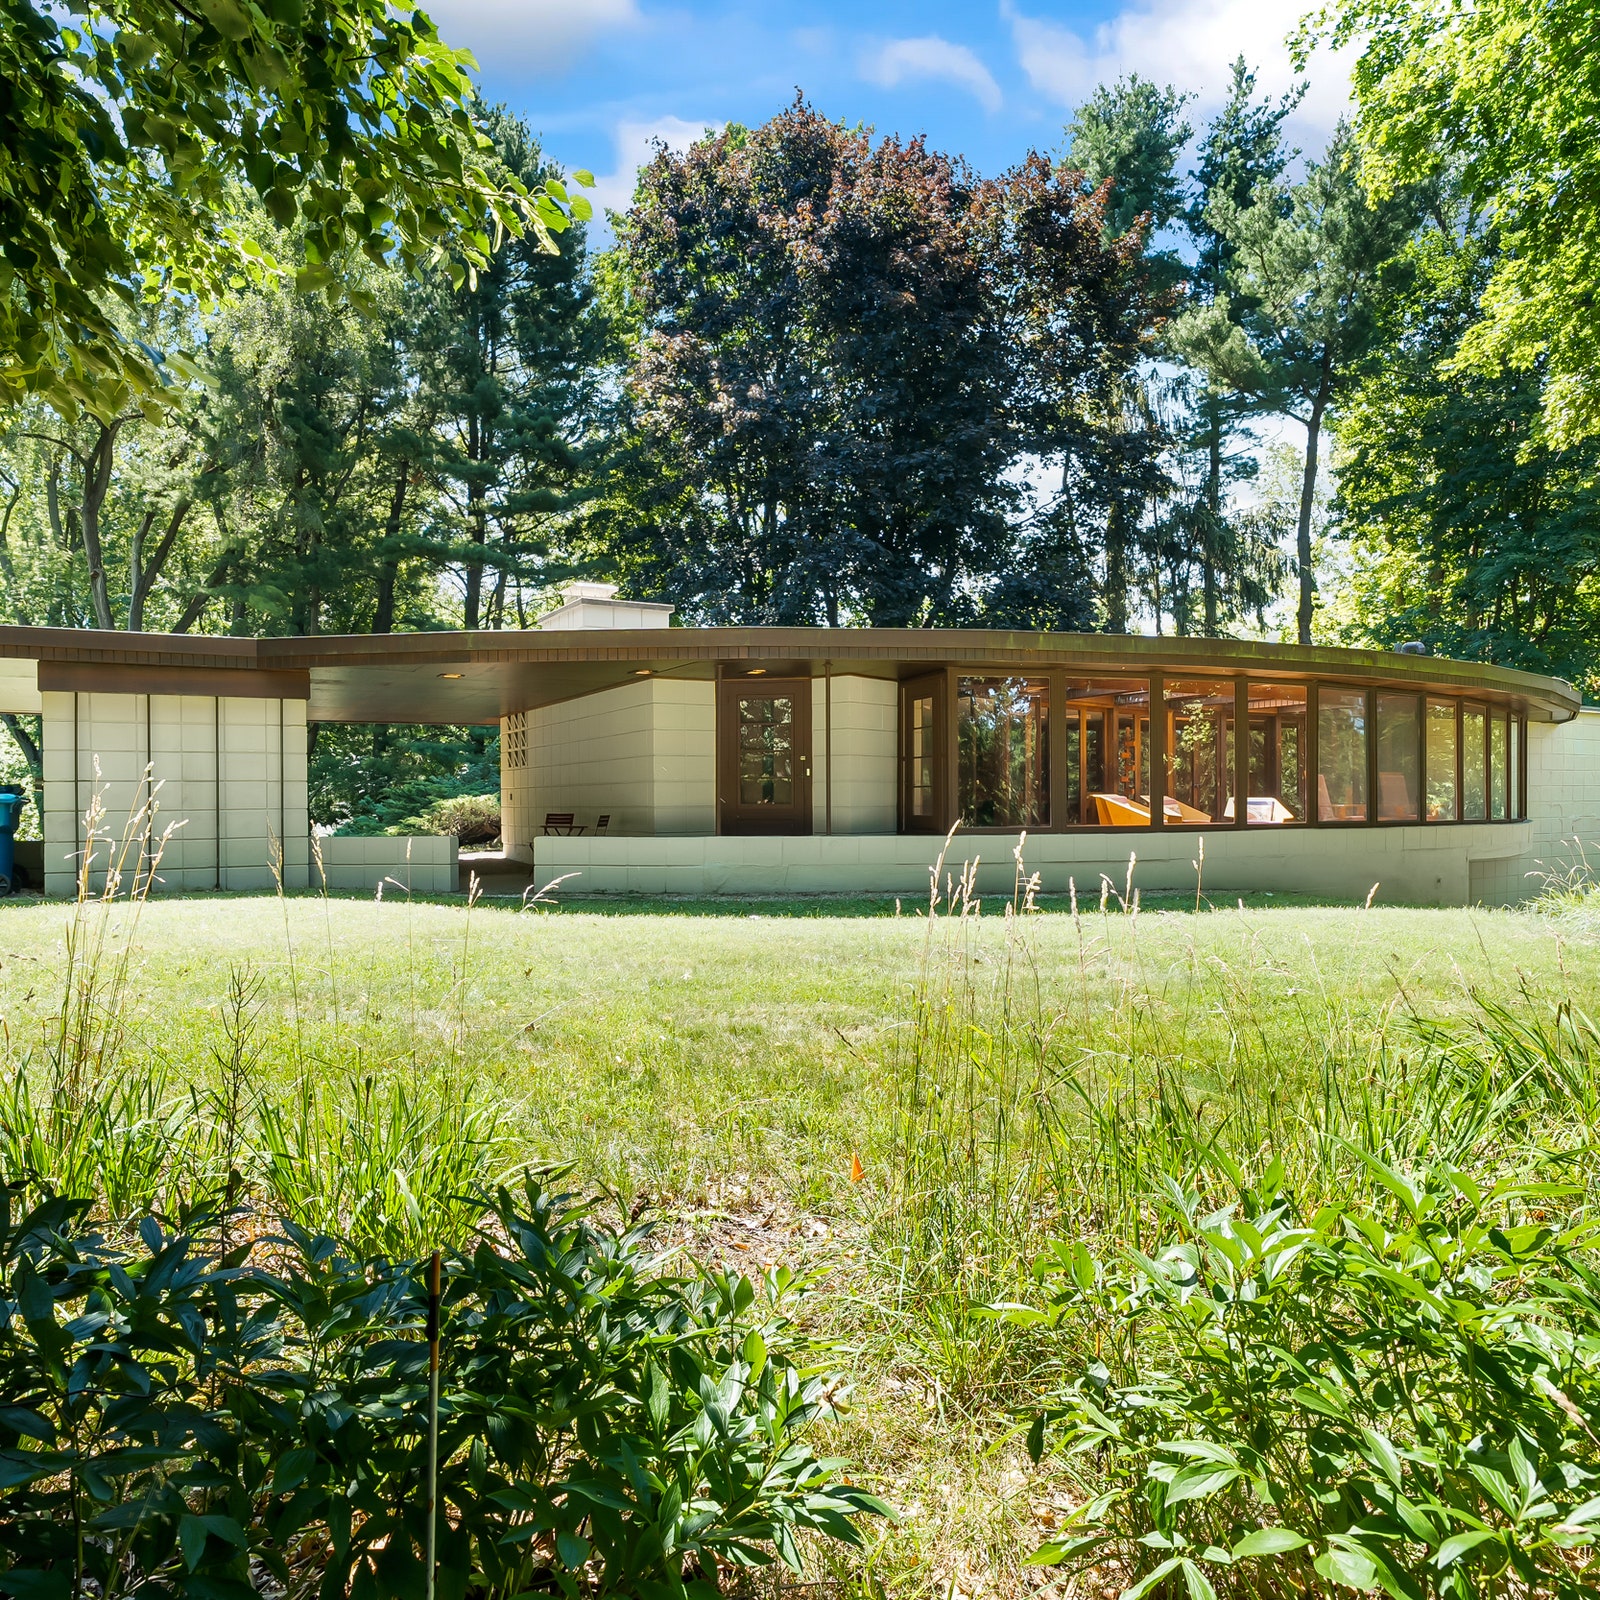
point(1470, 530)
point(1396, 1391)
point(473, 819)
point(133, 132)
point(371, 779)
point(174, 1411)
point(1504, 95)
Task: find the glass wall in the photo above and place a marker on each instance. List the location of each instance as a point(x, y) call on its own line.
point(1519, 801)
point(1003, 752)
point(920, 756)
point(1499, 785)
point(1474, 763)
point(1341, 755)
point(1277, 754)
point(1440, 736)
point(1399, 757)
point(1108, 752)
point(1200, 758)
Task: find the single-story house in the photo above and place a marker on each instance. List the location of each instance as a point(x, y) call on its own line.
point(641, 757)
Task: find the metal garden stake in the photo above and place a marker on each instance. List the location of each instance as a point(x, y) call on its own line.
point(433, 1418)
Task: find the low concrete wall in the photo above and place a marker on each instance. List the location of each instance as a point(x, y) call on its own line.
point(419, 864)
point(1418, 866)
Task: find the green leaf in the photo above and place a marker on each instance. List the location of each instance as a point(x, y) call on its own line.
point(573, 1551)
point(1458, 1544)
point(1269, 1542)
point(1150, 1579)
point(1352, 1568)
point(584, 177)
point(1199, 1481)
point(1036, 1438)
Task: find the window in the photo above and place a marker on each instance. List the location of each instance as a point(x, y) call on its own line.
point(1277, 753)
point(920, 755)
point(1003, 752)
point(1399, 757)
point(1108, 745)
point(517, 740)
point(1199, 749)
point(1519, 801)
point(1499, 786)
point(1341, 755)
point(766, 753)
point(1441, 747)
point(1474, 764)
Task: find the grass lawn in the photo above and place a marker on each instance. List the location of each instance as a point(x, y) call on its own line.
point(722, 1066)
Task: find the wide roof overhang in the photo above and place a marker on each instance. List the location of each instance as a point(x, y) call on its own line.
point(480, 677)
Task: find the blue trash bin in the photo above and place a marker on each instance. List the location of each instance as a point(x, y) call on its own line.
point(12, 799)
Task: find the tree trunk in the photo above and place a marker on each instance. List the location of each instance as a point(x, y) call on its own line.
point(1308, 491)
point(388, 572)
point(31, 751)
point(96, 484)
point(1116, 591)
point(1213, 512)
point(143, 573)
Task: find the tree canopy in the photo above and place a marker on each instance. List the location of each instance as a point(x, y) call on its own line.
point(135, 135)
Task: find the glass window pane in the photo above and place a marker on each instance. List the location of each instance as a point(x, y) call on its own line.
point(1199, 715)
point(1003, 746)
point(1108, 742)
point(1277, 753)
point(922, 756)
point(1399, 756)
point(1497, 766)
point(766, 750)
point(1474, 763)
point(1441, 761)
point(1341, 755)
point(1518, 799)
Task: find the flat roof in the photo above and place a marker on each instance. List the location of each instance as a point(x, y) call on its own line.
point(480, 677)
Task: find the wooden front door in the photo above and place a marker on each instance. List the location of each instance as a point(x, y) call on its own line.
point(764, 755)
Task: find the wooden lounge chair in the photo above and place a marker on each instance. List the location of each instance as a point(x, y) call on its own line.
point(562, 823)
point(1394, 798)
point(1117, 811)
point(1177, 811)
point(602, 822)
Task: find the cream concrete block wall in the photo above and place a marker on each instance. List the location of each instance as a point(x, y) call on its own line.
point(421, 864)
point(227, 776)
point(643, 754)
point(1407, 865)
point(866, 755)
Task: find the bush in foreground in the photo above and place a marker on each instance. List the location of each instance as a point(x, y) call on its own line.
point(1398, 1395)
point(176, 1415)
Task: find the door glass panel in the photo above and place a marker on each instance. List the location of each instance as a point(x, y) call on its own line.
point(1003, 745)
point(922, 756)
point(1399, 756)
point(1341, 755)
point(1277, 753)
point(1498, 787)
point(1108, 751)
point(1474, 763)
point(766, 750)
point(1199, 749)
point(1441, 744)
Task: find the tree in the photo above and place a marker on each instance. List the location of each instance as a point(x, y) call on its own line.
point(1306, 259)
point(1504, 94)
point(1470, 529)
point(1242, 149)
point(134, 135)
point(507, 370)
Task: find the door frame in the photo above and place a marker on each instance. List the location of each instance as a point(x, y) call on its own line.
point(732, 818)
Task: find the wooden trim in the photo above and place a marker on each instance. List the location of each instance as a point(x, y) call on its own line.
point(1158, 749)
point(243, 683)
point(1057, 736)
point(1241, 753)
point(931, 687)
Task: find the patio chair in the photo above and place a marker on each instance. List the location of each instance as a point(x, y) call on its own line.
point(562, 823)
point(602, 822)
point(1117, 811)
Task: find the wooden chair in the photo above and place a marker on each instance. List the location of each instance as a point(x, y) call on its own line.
point(562, 823)
point(1178, 811)
point(602, 822)
point(1394, 798)
point(1117, 811)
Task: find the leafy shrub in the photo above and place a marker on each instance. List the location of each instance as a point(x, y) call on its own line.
point(1400, 1395)
point(171, 1415)
point(474, 819)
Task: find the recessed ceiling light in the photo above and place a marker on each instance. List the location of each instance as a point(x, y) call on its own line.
point(450, 674)
point(756, 672)
point(641, 672)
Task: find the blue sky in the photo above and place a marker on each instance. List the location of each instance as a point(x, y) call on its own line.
point(988, 79)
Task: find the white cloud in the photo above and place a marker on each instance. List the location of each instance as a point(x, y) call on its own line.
point(635, 144)
point(1190, 44)
point(528, 35)
point(914, 60)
